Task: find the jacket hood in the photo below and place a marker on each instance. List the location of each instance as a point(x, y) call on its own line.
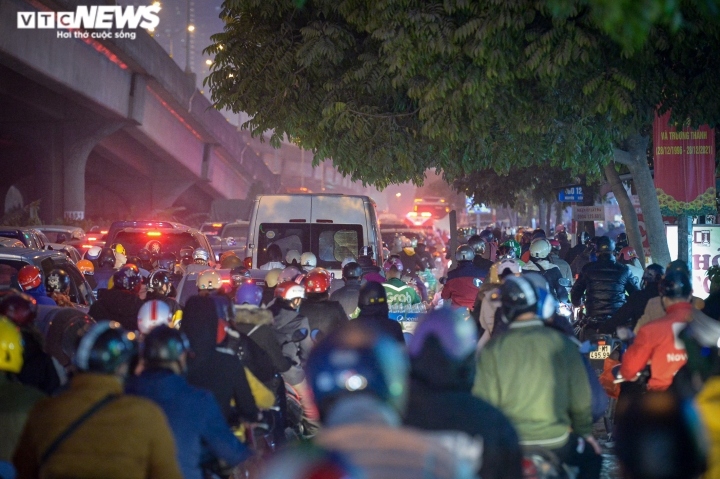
point(253, 315)
point(433, 369)
point(200, 324)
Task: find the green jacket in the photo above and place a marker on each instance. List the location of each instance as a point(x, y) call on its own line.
point(535, 375)
point(16, 401)
point(398, 292)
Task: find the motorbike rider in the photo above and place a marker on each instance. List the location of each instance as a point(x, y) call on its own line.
point(359, 380)
point(489, 318)
point(461, 286)
point(271, 281)
point(554, 258)
point(621, 241)
point(88, 271)
point(657, 342)
point(57, 285)
point(31, 282)
point(540, 249)
point(408, 257)
point(425, 257)
point(347, 296)
point(628, 256)
point(583, 238)
point(323, 314)
point(152, 314)
point(397, 291)
point(159, 288)
point(555, 414)
point(604, 284)
point(630, 312)
point(308, 261)
point(479, 246)
point(562, 238)
point(105, 268)
point(292, 258)
point(61, 440)
point(442, 370)
point(93, 255)
point(121, 303)
point(38, 368)
point(16, 399)
point(374, 311)
point(164, 360)
point(588, 255)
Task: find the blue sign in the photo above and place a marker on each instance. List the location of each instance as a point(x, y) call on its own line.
point(571, 195)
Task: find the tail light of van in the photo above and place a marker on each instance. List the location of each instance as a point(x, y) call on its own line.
point(248, 262)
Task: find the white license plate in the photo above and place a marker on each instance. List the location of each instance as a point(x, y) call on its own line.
point(602, 352)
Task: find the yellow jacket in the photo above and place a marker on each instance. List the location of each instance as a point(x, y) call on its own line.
point(708, 402)
point(128, 438)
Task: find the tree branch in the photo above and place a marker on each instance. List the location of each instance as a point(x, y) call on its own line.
point(623, 157)
point(383, 115)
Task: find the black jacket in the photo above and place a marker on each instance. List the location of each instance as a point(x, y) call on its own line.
point(440, 399)
point(38, 369)
point(347, 296)
point(573, 252)
point(376, 316)
point(712, 305)
point(256, 323)
point(285, 322)
point(630, 312)
point(604, 283)
point(216, 368)
point(482, 263)
point(117, 305)
point(323, 315)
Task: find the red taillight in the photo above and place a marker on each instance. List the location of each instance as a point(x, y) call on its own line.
point(248, 262)
point(87, 246)
point(154, 233)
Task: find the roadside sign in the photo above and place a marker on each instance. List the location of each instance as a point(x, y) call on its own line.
point(589, 213)
point(571, 195)
point(706, 244)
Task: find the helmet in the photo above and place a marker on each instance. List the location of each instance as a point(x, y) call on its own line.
point(352, 270)
point(231, 262)
point(145, 255)
point(653, 274)
point(152, 314)
point(317, 282)
point(159, 281)
point(11, 347)
point(66, 328)
point(164, 344)
point(678, 265)
point(477, 244)
point(560, 228)
point(104, 348)
point(583, 237)
point(517, 296)
point(504, 267)
point(660, 435)
point(511, 245)
point(249, 293)
point(457, 337)
point(622, 240)
point(289, 274)
point(58, 281)
point(405, 242)
point(628, 253)
point(547, 304)
point(209, 280)
point(290, 290)
point(93, 253)
point(540, 248)
point(393, 261)
point(29, 277)
point(538, 233)
point(554, 244)
point(464, 253)
point(486, 236)
point(118, 248)
point(201, 255)
point(186, 254)
point(357, 359)
point(167, 262)
point(371, 292)
point(127, 279)
point(308, 260)
point(675, 285)
point(107, 258)
point(271, 278)
point(85, 266)
point(20, 308)
point(292, 256)
point(227, 254)
point(604, 245)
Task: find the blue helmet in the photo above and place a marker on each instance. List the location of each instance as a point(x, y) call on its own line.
point(249, 293)
point(357, 359)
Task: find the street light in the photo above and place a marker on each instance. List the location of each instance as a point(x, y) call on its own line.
point(157, 4)
point(191, 28)
point(208, 62)
point(398, 194)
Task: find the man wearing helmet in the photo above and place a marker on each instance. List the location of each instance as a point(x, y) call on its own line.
point(83, 432)
point(398, 292)
point(461, 286)
point(322, 313)
point(630, 312)
point(159, 288)
point(479, 247)
point(583, 238)
point(31, 282)
point(105, 268)
point(347, 296)
point(629, 258)
point(540, 249)
point(121, 303)
point(535, 375)
point(410, 260)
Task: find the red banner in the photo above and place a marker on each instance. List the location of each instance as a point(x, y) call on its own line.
point(684, 168)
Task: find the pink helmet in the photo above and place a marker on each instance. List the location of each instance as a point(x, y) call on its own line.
point(393, 262)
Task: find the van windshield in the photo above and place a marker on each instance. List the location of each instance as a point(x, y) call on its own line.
point(331, 243)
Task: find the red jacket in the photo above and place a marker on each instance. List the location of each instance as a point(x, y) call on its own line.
point(657, 343)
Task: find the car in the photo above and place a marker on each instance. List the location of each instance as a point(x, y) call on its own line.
point(25, 234)
point(227, 237)
point(158, 237)
point(64, 234)
point(12, 259)
point(10, 243)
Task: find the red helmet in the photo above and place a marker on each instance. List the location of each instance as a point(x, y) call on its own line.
point(20, 308)
point(29, 277)
point(317, 282)
point(628, 253)
point(289, 290)
point(555, 244)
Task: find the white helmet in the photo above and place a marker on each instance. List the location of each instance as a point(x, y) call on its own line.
point(209, 280)
point(152, 314)
point(540, 248)
point(201, 254)
point(508, 263)
point(93, 253)
point(292, 255)
point(307, 260)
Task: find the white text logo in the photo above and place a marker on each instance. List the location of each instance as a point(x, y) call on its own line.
point(93, 17)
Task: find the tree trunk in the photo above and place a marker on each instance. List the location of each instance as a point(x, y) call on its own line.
point(559, 208)
point(588, 200)
point(636, 161)
point(627, 209)
point(542, 206)
point(548, 217)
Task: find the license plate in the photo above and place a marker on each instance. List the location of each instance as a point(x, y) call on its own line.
point(602, 352)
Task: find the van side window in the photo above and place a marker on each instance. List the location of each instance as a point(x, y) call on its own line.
point(336, 245)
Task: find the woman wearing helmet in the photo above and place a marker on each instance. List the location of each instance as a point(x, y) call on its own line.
point(461, 286)
point(121, 303)
point(442, 360)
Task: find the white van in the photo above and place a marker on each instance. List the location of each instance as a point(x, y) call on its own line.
point(331, 226)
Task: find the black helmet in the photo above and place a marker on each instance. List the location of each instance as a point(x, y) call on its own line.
point(538, 233)
point(675, 285)
point(160, 281)
point(186, 254)
point(517, 296)
point(486, 235)
point(107, 258)
point(604, 245)
point(583, 237)
point(20, 308)
point(678, 265)
point(622, 241)
point(57, 281)
point(658, 436)
point(167, 261)
point(477, 244)
point(145, 255)
point(67, 327)
point(126, 278)
point(561, 236)
point(104, 348)
point(371, 293)
point(464, 253)
point(357, 359)
point(653, 274)
point(164, 344)
point(134, 260)
point(352, 270)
